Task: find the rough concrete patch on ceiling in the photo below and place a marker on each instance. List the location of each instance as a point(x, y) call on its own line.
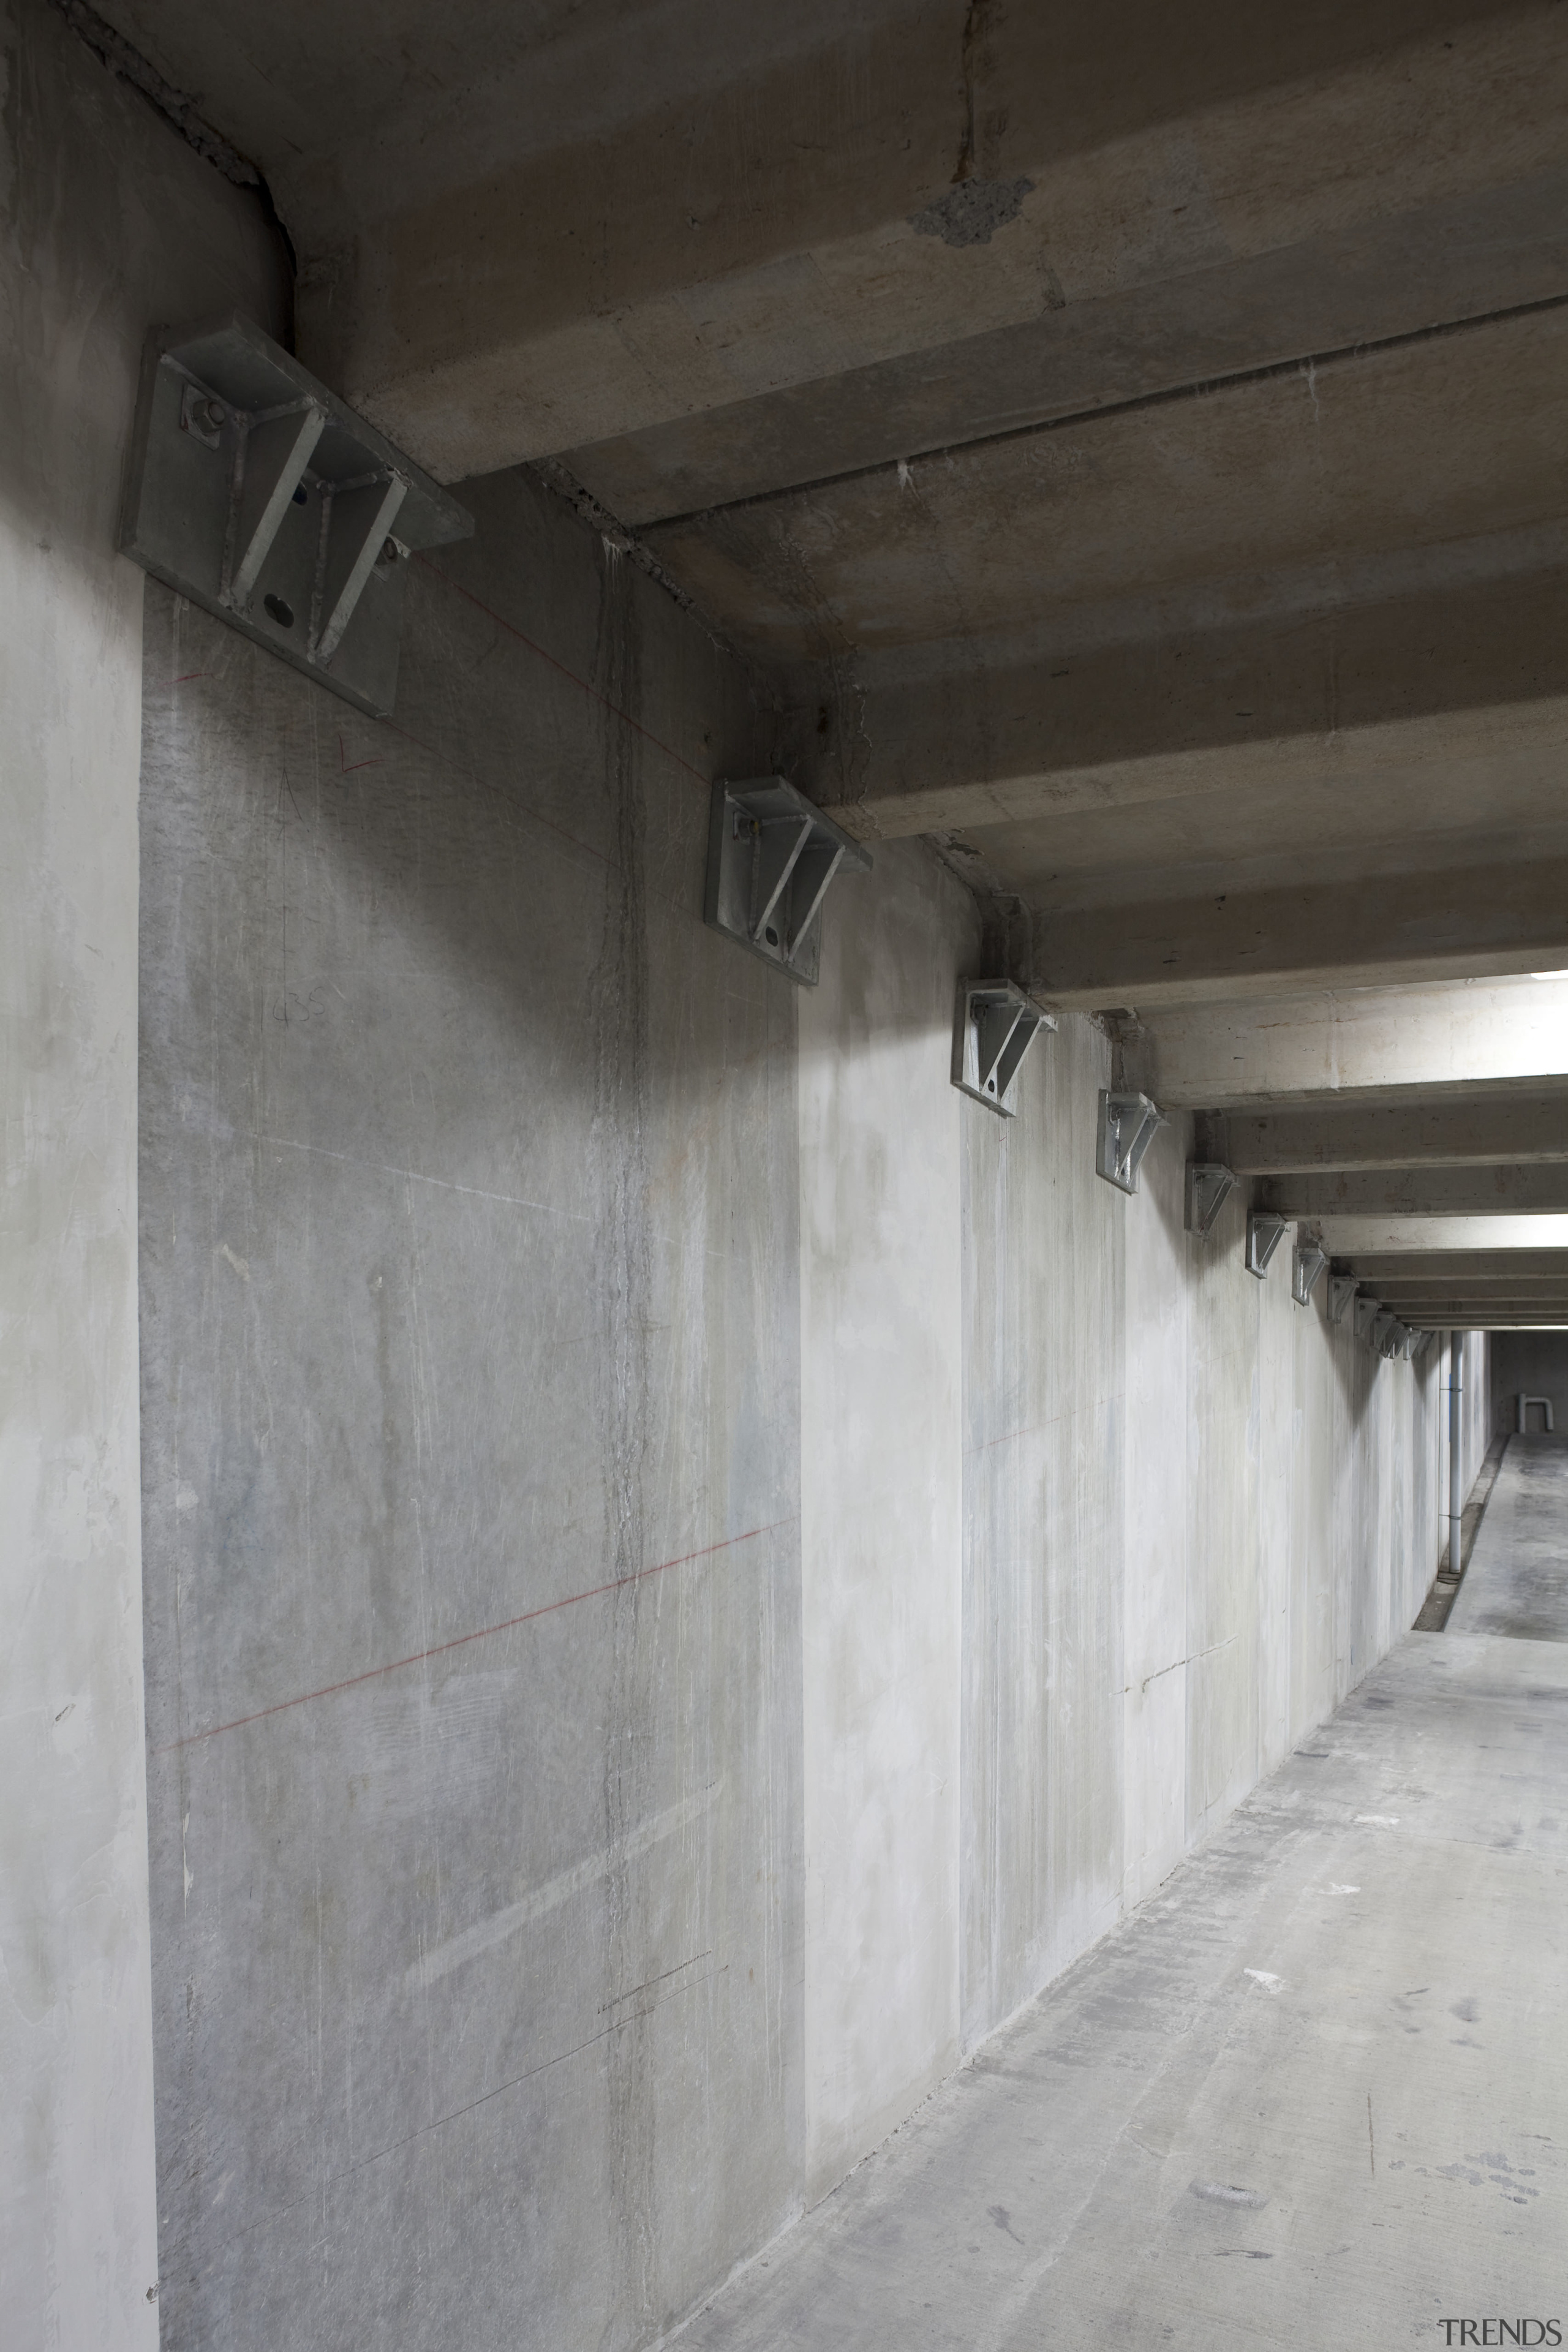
point(971, 213)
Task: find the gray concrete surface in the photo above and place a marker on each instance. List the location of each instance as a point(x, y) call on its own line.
point(688, 1570)
point(106, 221)
point(1310, 2093)
point(1430, 1040)
point(1098, 477)
point(1517, 1581)
point(676, 1594)
point(1178, 189)
point(470, 1406)
point(1533, 1363)
point(1452, 1133)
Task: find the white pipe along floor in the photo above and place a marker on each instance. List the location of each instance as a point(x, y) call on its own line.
point(1313, 2091)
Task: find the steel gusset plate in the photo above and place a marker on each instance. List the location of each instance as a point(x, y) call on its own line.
point(255, 492)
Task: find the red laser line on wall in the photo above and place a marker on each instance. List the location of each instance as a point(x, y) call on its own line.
point(460, 1641)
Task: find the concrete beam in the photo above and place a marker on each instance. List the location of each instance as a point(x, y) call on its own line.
point(1422, 1192)
point(1516, 1315)
point(1482, 1041)
point(1452, 1270)
point(1421, 1237)
point(1466, 919)
point(1453, 1287)
point(1004, 675)
point(1488, 1323)
point(1141, 342)
point(1430, 1313)
point(1520, 1129)
point(1466, 1297)
point(556, 250)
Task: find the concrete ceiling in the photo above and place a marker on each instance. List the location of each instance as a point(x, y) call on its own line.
point(1129, 445)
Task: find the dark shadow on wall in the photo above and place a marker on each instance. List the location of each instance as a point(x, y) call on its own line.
point(1532, 1364)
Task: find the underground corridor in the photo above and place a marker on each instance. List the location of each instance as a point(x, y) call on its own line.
point(784, 1100)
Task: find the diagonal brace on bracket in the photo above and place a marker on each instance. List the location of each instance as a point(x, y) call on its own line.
point(1389, 1336)
point(1265, 1232)
point(1308, 1261)
point(1209, 1186)
point(994, 1025)
point(256, 493)
point(1128, 1125)
point(1342, 1289)
point(271, 453)
point(771, 855)
point(356, 526)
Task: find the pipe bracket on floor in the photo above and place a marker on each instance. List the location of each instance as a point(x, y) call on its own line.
point(1128, 1125)
point(257, 494)
point(1524, 1404)
point(994, 1026)
point(1209, 1187)
point(771, 855)
point(1265, 1232)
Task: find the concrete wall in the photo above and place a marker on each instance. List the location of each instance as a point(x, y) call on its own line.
point(471, 1441)
point(1479, 1407)
point(1195, 1514)
point(882, 1360)
point(108, 222)
point(688, 1569)
point(1533, 1362)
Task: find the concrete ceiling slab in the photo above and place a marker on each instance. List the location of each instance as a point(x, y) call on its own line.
point(1436, 1133)
point(1429, 444)
point(1435, 1192)
point(1451, 1270)
point(1465, 1040)
point(1134, 447)
point(1354, 1236)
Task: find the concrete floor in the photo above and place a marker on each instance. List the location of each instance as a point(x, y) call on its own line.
point(1315, 2090)
point(1517, 1581)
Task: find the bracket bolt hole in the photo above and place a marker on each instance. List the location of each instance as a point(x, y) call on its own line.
point(771, 936)
point(276, 609)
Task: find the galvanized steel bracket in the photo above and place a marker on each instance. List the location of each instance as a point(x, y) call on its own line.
point(256, 493)
point(1265, 1232)
point(771, 855)
point(1128, 1125)
point(1388, 1336)
point(1307, 1263)
point(1342, 1289)
point(1367, 1311)
point(994, 1026)
point(1209, 1187)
